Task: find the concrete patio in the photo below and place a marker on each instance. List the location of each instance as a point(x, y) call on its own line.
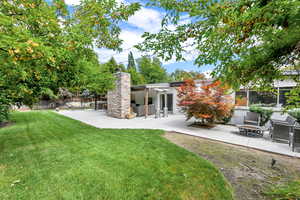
point(177, 123)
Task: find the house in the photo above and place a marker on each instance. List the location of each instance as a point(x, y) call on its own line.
point(161, 99)
point(247, 96)
point(150, 99)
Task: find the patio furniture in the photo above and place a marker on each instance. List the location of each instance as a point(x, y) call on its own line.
point(252, 118)
point(281, 130)
point(140, 109)
point(251, 130)
point(295, 138)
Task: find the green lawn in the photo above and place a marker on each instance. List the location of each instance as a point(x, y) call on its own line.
point(54, 157)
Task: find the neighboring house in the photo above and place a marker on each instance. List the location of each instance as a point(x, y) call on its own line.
point(247, 96)
point(161, 99)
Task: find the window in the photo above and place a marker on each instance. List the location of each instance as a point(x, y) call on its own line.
point(268, 98)
point(282, 95)
point(241, 98)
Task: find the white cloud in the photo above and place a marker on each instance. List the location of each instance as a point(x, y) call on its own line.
point(72, 2)
point(148, 20)
point(133, 37)
point(130, 38)
point(144, 20)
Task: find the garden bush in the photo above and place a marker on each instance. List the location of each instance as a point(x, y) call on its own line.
point(295, 113)
point(265, 114)
point(207, 105)
point(227, 119)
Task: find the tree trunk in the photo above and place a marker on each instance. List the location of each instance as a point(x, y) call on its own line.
point(96, 102)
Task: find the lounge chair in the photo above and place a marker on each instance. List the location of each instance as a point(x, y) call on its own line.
point(252, 118)
point(295, 138)
point(282, 129)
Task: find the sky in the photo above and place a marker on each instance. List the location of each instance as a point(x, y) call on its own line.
point(145, 20)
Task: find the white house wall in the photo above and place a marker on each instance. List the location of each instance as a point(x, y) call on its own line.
point(139, 96)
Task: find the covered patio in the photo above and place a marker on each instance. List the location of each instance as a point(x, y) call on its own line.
point(154, 99)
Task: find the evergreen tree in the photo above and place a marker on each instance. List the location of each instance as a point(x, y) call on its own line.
point(131, 61)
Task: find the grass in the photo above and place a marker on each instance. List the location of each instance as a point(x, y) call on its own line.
point(290, 191)
point(48, 156)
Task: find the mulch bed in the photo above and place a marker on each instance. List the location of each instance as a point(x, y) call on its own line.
point(249, 171)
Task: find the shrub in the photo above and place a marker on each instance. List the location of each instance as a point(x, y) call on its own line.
point(4, 109)
point(207, 104)
point(227, 119)
point(265, 114)
point(295, 113)
point(264, 105)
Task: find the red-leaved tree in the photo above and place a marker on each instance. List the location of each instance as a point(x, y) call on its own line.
point(207, 102)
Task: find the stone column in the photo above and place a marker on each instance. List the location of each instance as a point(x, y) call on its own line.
point(118, 100)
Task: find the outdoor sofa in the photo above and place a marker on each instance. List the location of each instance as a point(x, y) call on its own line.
point(140, 109)
point(252, 118)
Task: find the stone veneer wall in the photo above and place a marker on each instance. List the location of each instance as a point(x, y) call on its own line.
point(118, 100)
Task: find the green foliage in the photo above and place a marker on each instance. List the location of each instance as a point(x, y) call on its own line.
point(295, 113)
point(93, 79)
point(43, 46)
point(290, 191)
point(152, 70)
point(249, 41)
point(293, 98)
point(181, 75)
point(112, 67)
point(4, 108)
point(265, 114)
point(136, 77)
point(227, 119)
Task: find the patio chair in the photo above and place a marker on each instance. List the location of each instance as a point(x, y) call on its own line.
point(295, 138)
point(281, 130)
point(252, 118)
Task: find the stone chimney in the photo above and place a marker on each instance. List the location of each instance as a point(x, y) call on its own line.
point(118, 100)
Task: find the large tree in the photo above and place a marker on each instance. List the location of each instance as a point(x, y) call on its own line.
point(131, 61)
point(152, 70)
point(249, 41)
point(181, 75)
point(136, 77)
point(112, 66)
point(43, 45)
